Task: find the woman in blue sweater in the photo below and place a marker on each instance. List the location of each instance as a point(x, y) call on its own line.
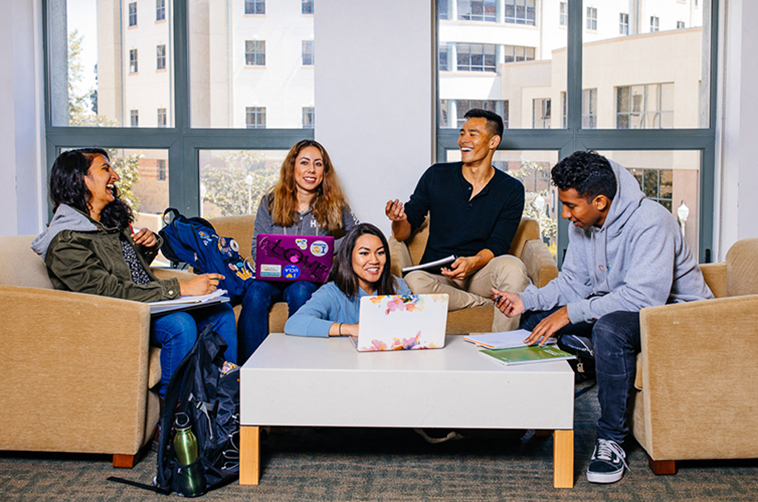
point(361, 268)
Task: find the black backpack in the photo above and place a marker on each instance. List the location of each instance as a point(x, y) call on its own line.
point(195, 241)
point(211, 400)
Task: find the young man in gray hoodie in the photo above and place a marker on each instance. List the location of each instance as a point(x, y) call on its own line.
point(625, 253)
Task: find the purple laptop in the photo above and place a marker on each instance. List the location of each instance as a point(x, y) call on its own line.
point(293, 257)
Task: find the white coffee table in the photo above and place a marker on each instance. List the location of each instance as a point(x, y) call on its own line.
point(297, 381)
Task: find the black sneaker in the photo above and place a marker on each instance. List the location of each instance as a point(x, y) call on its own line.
point(607, 463)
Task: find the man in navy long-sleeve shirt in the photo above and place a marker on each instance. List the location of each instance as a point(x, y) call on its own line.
point(474, 212)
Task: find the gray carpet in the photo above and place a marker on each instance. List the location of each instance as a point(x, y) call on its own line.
point(395, 465)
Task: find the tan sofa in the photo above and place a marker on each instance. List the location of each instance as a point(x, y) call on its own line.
point(527, 245)
point(699, 367)
point(77, 369)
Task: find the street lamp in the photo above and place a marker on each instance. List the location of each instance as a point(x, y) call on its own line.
point(539, 204)
point(249, 181)
point(683, 212)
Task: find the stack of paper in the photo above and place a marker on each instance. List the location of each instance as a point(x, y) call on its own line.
point(185, 302)
point(503, 339)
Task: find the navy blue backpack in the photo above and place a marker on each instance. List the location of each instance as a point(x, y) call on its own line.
point(194, 241)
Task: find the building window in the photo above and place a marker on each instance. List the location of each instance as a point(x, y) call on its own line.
point(462, 106)
point(307, 52)
point(444, 62)
point(656, 184)
point(520, 12)
point(160, 10)
point(255, 117)
point(592, 18)
point(134, 118)
point(515, 53)
point(161, 117)
point(623, 23)
point(645, 106)
point(679, 25)
point(477, 10)
point(444, 9)
point(476, 57)
point(306, 7)
point(133, 14)
point(564, 16)
point(160, 57)
point(255, 52)
point(564, 110)
point(541, 113)
point(133, 61)
point(161, 169)
point(589, 109)
point(255, 6)
point(654, 24)
point(308, 117)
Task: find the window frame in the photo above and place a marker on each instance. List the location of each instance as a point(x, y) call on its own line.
point(133, 61)
point(160, 10)
point(160, 57)
point(307, 53)
point(257, 7)
point(573, 137)
point(257, 55)
point(132, 16)
point(623, 23)
point(592, 18)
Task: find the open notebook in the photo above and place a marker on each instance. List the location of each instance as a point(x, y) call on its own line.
point(398, 322)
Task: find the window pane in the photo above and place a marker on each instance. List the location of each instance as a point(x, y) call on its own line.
point(256, 55)
point(109, 58)
point(671, 178)
point(648, 57)
point(532, 168)
point(232, 182)
point(495, 52)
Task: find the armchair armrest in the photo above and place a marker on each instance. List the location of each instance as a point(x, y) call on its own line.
point(698, 362)
point(76, 367)
point(715, 276)
point(401, 257)
point(540, 264)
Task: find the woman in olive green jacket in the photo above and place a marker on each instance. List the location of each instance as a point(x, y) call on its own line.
point(90, 247)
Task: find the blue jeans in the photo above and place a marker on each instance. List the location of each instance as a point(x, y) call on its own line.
point(616, 339)
point(176, 333)
point(252, 327)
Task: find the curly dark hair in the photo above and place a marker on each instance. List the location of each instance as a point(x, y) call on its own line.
point(342, 270)
point(589, 173)
point(67, 187)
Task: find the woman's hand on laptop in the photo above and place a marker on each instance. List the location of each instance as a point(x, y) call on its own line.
point(342, 329)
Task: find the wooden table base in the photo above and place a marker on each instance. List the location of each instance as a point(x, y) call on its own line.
point(250, 457)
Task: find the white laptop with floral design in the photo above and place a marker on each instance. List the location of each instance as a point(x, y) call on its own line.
point(401, 322)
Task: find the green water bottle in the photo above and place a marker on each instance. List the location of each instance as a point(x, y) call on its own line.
point(191, 477)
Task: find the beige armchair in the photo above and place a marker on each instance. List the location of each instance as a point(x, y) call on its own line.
point(78, 374)
point(698, 369)
point(527, 245)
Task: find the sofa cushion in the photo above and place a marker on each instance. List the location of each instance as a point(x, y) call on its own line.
point(20, 266)
point(742, 268)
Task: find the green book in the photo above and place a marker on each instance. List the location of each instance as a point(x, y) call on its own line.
point(523, 355)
